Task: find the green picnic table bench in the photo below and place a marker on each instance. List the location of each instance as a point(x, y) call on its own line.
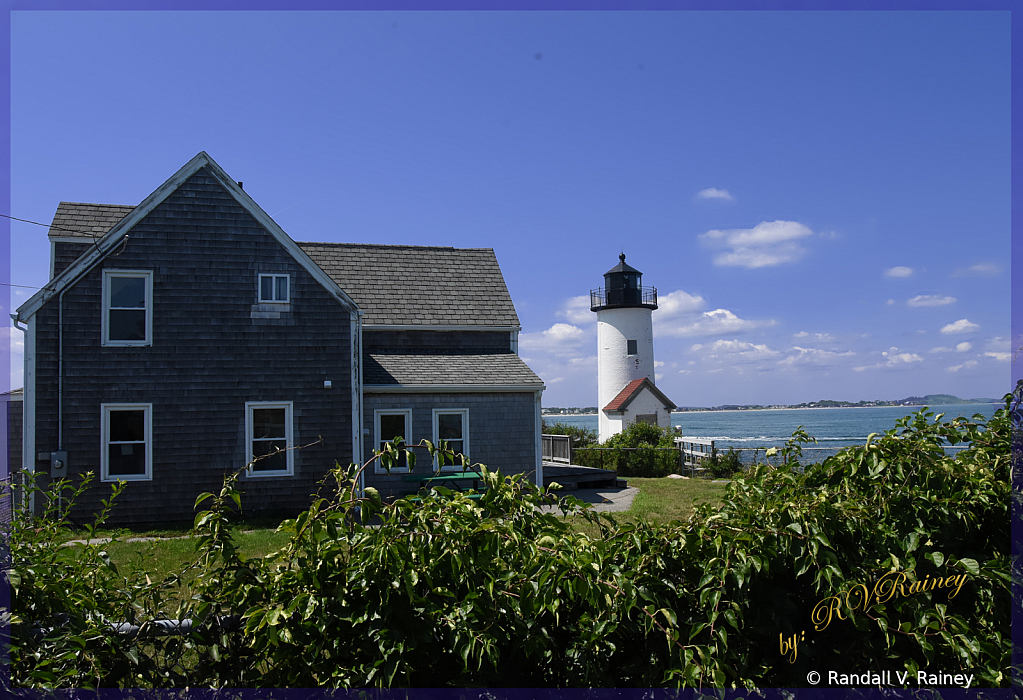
point(457, 480)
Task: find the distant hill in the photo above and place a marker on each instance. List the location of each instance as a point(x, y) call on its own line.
point(940, 399)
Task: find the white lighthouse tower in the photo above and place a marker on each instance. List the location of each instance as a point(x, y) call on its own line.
point(626, 391)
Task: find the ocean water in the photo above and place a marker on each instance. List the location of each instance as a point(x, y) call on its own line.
point(833, 427)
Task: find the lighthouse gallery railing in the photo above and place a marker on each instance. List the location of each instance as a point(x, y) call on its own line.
point(644, 296)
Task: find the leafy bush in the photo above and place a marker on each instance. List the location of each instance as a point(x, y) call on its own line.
point(639, 434)
point(641, 450)
point(581, 437)
point(723, 466)
point(451, 591)
point(64, 600)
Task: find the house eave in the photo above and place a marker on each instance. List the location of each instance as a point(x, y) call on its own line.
point(414, 327)
point(450, 388)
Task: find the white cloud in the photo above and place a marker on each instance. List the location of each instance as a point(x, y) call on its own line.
point(998, 344)
point(978, 270)
point(930, 300)
point(890, 302)
point(766, 244)
point(677, 303)
point(678, 315)
point(964, 347)
point(967, 365)
point(941, 349)
point(658, 363)
point(1000, 356)
point(577, 310)
point(563, 355)
point(898, 272)
point(716, 322)
point(813, 356)
point(559, 338)
point(16, 342)
point(714, 193)
point(748, 350)
point(800, 334)
point(893, 358)
point(960, 326)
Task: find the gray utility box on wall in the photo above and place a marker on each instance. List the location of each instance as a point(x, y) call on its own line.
point(58, 464)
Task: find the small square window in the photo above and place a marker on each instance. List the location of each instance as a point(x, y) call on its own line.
point(127, 450)
point(127, 307)
point(269, 432)
point(633, 348)
point(274, 289)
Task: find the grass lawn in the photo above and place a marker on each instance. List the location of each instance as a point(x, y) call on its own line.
point(658, 500)
point(662, 500)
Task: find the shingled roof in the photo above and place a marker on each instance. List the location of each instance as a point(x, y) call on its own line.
point(419, 285)
point(86, 221)
point(634, 389)
point(394, 285)
point(448, 370)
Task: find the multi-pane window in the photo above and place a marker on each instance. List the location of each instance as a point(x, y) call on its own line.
point(127, 452)
point(127, 307)
point(452, 425)
point(274, 289)
point(390, 424)
point(268, 428)
point(633, 347)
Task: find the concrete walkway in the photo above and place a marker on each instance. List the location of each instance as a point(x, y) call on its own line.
point(604, 500)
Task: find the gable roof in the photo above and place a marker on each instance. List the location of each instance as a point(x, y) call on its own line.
point(634, 389)
point(493, 371)
point(420, 286)
point(81, 222)
point(108, 241)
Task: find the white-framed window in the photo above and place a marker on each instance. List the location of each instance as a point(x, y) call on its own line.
point(127, 442)
point(452, 425)
point(388, 424)
point(632, 347)
point(274, 289)
point(127, 307)
point(268, 433)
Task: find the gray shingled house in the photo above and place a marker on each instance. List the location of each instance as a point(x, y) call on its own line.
point(180, 337)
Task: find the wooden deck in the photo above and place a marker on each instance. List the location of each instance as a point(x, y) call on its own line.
point(573, 477)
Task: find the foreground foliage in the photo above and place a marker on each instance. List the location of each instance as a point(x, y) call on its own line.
point(782, 579)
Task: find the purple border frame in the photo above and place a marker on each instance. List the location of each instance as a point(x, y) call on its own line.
point(1016, 372)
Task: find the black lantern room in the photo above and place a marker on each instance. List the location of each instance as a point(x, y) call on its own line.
point(623, 288)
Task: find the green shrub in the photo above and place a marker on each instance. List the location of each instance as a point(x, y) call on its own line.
point(451, 591)
point(581, 437)
point(723, 466)
point(65, 597)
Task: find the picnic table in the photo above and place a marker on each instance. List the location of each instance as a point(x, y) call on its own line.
point(459, 481)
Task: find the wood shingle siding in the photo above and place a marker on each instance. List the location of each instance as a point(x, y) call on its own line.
point(502, 427)
point(198, 356)
point(208, 357)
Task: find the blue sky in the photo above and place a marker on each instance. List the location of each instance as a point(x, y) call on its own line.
point(822, 199)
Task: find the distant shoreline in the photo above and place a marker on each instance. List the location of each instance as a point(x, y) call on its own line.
point(786, 408)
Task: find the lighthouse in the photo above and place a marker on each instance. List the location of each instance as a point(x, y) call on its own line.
point(626, 391)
